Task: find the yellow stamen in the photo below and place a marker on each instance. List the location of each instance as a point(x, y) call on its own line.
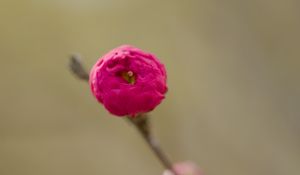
point(128, 76)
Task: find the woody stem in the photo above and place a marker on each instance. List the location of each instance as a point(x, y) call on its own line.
point(140, 122)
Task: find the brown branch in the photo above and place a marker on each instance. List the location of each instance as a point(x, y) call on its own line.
point(77, 68)
point(140, 122)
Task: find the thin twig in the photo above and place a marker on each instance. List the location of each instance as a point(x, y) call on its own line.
point(140, 122)
point(77, 68)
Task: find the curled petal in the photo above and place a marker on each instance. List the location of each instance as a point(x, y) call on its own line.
point(128, 81)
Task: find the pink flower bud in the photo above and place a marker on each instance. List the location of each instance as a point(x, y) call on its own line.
point(128, 81)
point(185, 168)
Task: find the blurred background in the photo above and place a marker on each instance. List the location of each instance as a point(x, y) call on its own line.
point(233, 105)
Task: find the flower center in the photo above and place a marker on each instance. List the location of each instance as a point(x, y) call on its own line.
point(128, 76)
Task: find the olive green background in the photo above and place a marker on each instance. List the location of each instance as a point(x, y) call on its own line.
point(233, 105)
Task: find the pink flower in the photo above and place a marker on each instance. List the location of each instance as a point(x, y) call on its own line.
point(185, 168)
point(128, 81)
